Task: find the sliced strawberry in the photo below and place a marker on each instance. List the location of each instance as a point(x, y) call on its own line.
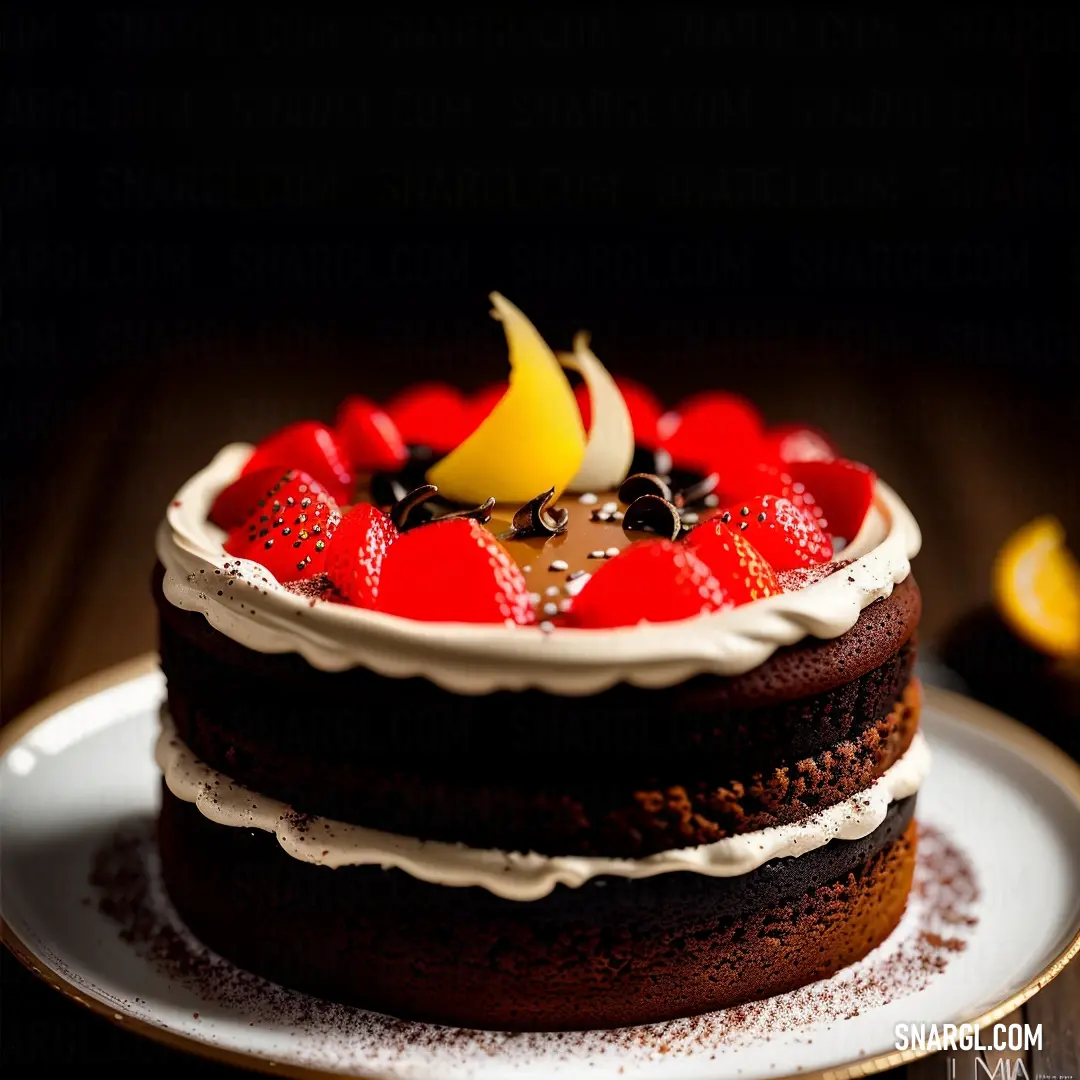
point(354, 560)
point(481, 403)
point(308, 446)
point(650, 581)
point(746, 484)
point(290, 528)
point(797, 442)
point(749, 480)
point(734, 562)
point(708, 430)
point(453, 571)
point(843, 489)
point(236, 503)
point(742, 477)
point(431, 414)
point(787, 536)
point(369, 438)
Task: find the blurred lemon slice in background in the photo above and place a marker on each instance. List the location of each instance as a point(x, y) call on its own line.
point(1037, 588)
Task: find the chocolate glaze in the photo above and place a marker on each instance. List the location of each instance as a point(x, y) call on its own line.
point(612, 953)
point(573, 545)
point(583, 534)
point(534, 548)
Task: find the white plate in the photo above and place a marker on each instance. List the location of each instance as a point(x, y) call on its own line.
point(80, 766)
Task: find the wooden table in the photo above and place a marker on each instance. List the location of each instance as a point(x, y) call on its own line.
point(101, 474)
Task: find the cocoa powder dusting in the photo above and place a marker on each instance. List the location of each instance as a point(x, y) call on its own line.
point(313, 588)
point(801, 576)
point(940, 920)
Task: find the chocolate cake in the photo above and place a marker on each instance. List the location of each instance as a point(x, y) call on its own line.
point(544, 709)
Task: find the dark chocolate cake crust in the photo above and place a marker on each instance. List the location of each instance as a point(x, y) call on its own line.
point(614, 952)
point(626, 772)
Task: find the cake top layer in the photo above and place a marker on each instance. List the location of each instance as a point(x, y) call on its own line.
point(574, 537)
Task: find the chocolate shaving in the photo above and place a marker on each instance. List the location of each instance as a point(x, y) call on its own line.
point(633, 487)
point(404, 512)
point(401, 511)
point(695, 493)
point(481, 513)
point(388, 488)
point(535, 519)
point(654, 515)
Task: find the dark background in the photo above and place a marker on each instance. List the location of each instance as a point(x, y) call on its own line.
point(216, 223)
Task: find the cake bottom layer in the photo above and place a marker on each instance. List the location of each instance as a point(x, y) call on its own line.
point(612, 953)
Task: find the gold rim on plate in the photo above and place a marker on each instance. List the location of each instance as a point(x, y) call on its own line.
point(1034, 748)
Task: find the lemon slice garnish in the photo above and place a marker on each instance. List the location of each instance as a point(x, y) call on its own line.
point(531, 441)
point(1037, 588)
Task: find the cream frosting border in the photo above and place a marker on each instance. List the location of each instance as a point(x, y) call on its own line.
point(467, 658)
point(520, 876)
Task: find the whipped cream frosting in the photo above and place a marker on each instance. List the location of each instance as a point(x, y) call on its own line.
point(520, 875)
point(469, 658)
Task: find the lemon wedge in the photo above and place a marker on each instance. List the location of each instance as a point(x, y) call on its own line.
point(1037, 588)
point(531, 441)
